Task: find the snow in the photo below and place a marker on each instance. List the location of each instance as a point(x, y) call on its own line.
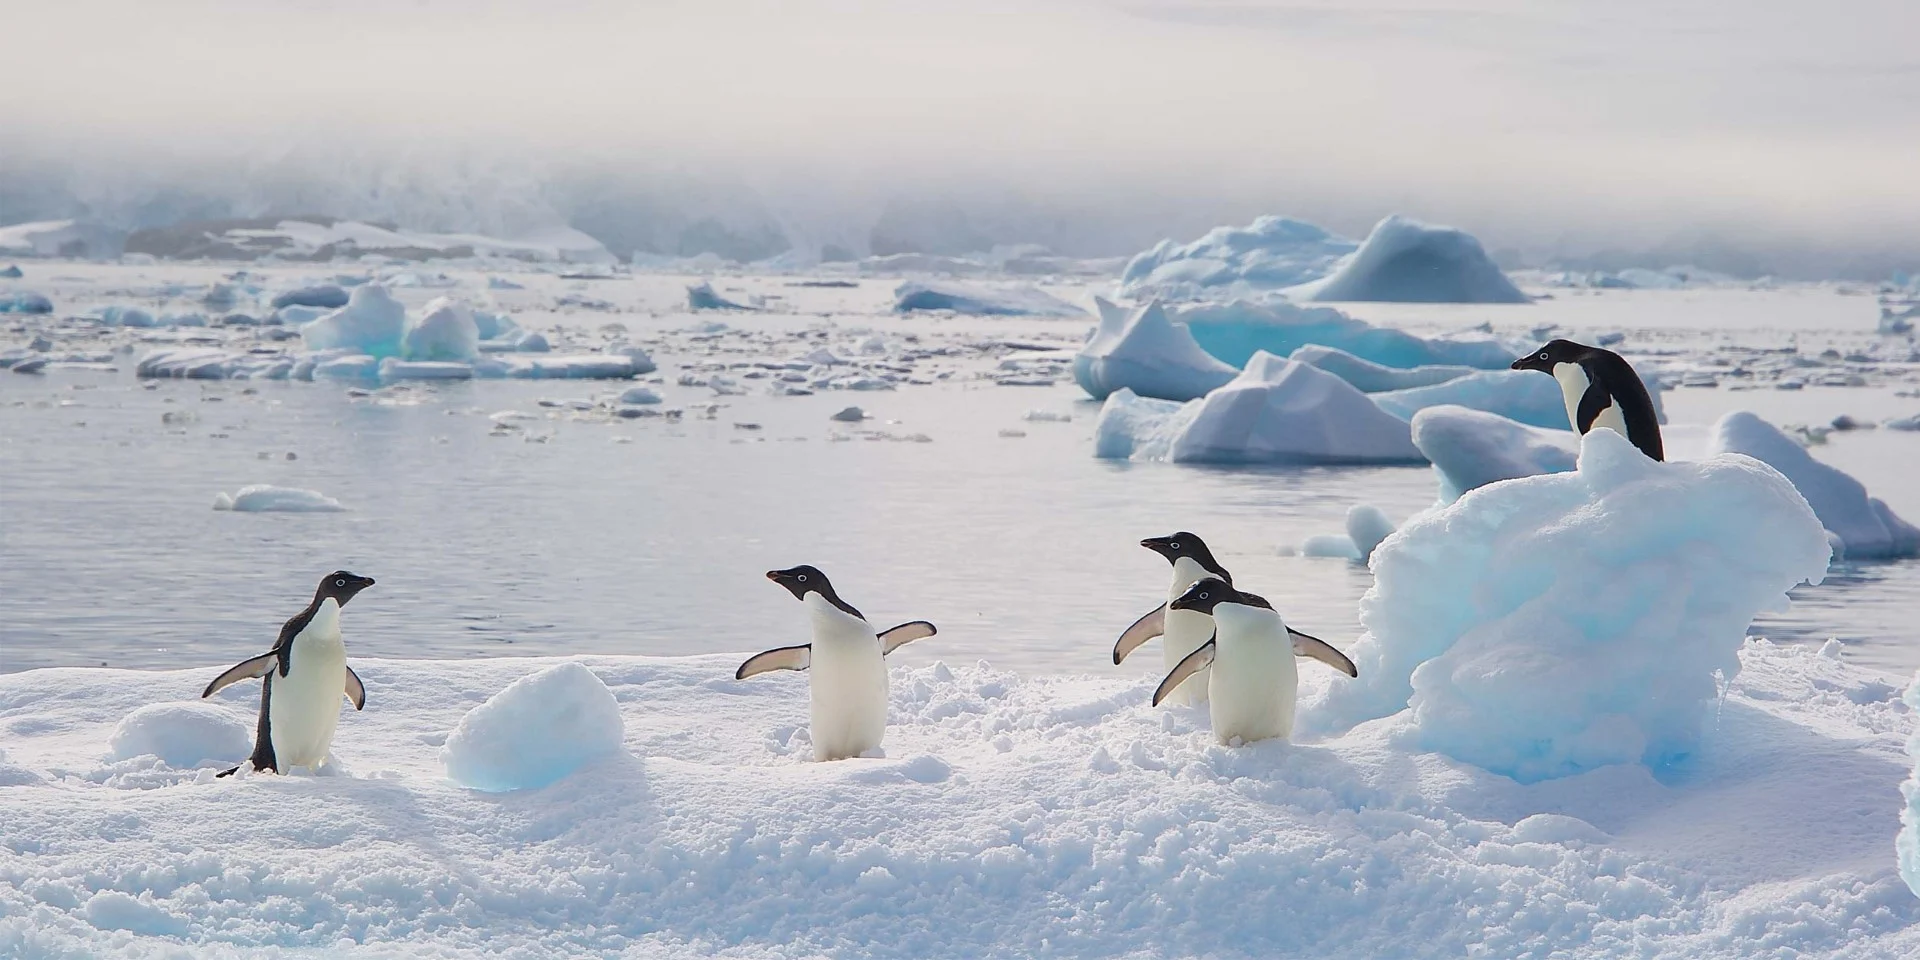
point(372, 323)
point(980, 300)
point(1147, 353)
point(1868, 528)
point(1275, 411)
point(444, 329)
point(267, 498)
point(701, 296)
point(538, 730)
point(1234, 332)
point(1370, 377)
point(1521, 395)
point(1472, 448)
point(1553, 625)
point(1907, 844)
point(1054, 816)
point(181, 735)
point(1406, 261)
point(1271, 253)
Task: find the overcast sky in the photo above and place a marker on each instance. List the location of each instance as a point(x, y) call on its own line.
point(1615, 120)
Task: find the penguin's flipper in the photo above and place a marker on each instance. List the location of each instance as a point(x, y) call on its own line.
point(893, 638)
point(1146, 628)
point(1318, 649)
point(356, 691)
point(1194, 663)
point(244, 670)
point(779, 658)
point(1595, 400)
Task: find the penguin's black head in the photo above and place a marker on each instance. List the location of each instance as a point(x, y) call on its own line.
point(807, 578)
point(341, 586)
point(1212, 592)
point(1184, 544)
point(1557, 351)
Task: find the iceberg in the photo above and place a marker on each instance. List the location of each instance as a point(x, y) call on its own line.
point(372, 322)
point(443, 330)
point(1370, 377)
point(1520, 395)
point(1472, 448)
point(1269, 254)
point(539, 729)
point(980, 300)
point(267, 498)
point(1406, 261)
point(24, 301)
point(701, 296)
point(1233, 332)
point(1275, 411)
point(1147, 353)
point(1552, 625)
point(1864, 524)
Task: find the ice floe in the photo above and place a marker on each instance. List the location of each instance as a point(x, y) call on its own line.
point(980, 300)
point(1472, 448)
point(372, 323)
point(267, 498)
point(442, 330)
point(1143, 351)
point(1233, 332)
point(1520, 395)
point(701, 296)
point(1867, 527)
point(1370, 377)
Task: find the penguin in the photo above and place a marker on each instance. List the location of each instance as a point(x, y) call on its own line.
point(1600, 390)
point(847, 661)
point(1188, 630)
point(1253, 682)
point(300, 701)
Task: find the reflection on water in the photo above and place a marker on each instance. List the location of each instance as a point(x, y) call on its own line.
point(1868, 606)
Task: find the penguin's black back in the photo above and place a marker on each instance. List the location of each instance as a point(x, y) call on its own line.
point(1611, 372)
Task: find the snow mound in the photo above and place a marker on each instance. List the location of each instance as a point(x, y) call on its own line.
point(443, 330)
point(980, 300)
point(1271, 253)
point(1234, 332)
point(1556, 624)
point(1147, 353)
point(1370, 377)
point(1275, 411)
point(182, 735)
point(538, 730)
point(1406, 261)
point(326, 295)
point(1868, 528)
point(1520, 395)
point(372, 323)
point(266, 498)
point(1472, 448)
point(701, 296)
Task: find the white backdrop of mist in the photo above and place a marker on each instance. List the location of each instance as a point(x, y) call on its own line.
point(1780, 131)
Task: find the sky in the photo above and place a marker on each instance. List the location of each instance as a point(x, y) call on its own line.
point(1548, 124)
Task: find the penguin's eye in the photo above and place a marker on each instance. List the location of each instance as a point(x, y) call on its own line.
point(1203, 596)
point(339, 583)
point(1543, 354)
point(802, 578)
point(1174, 546)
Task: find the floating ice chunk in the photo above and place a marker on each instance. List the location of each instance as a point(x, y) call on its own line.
point(1338, 546)
point(326, 296)
point(196, 363)
point(266, 498)
point(1367, 526)
point(1138, 428)
point(1040, 415)
point(1271, 253)
point(1865, 524)
point(189, 319)
point(182, 735)
point(300, 316)
point(353, 366)
point(372, 323)
point(980, 300)
point(1521, 395)
point(392, 370)
point(1406, 261)
point(502, 283)
point(642, 362)
point(1472, 448)
point(1554, 624)
point(532, 342)
point(443, 330)
point(586, 366)
point(1234, 331)
point(822, 357)
point(118, 316)
point(24, 301)
point(849, 415)
point(639, 396)
point(701, 296)
point(12, 271)
point(539, 729)
point(1903, 423)
point(493, 326)
point(1147, 353)
point(1370, 377)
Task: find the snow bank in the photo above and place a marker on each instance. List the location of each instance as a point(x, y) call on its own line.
point(372, 323)
point(1370, 377)
point(1472, 448)
point(1234, 332)
point(443, 330)
point(182, 735)
point(1147, 353)
point(983, 301)
point(1271, 253)
point(1868, 528)
point(541, 728)
point(1521, 395)
point(1406, 261)
point(266, 498)
point(701, 296)
point(1275, 411)
point(1556, 624)
point(1047, 817)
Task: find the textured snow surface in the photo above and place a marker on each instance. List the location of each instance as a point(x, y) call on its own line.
point(1144, 351)
point(980, 300)
point(267, 498)
point(1048, 817)
point(1551, 625)
point(1271, 253)
point(1233, 332)
point(1406, 261)
point(1907, 844)
point(1472, 448)
point(1865, 524)
point(539, 729)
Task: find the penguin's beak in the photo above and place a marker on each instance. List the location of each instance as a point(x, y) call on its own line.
point(775, 576)
point(1154, 543)
point(1520, 364)
point(367, 582)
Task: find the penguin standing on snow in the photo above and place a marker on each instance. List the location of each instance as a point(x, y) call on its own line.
point(306, 674)
point(1253, 682)
point(847, 664)
point(1600, 390)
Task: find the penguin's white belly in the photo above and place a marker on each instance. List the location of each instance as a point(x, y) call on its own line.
point(1187, 631)
point(1573, 386)
point(305, 707)
point(849, 694)
point(1254, 682)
